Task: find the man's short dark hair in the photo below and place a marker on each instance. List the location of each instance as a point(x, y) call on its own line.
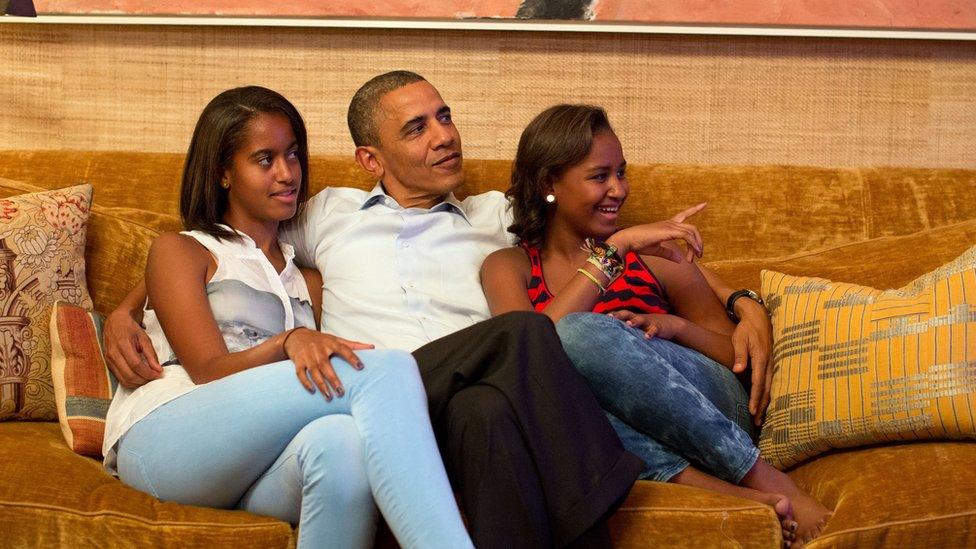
point(362, 119)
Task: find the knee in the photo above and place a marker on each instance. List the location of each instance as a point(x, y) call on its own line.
point(480, 411)
point(397, 368)
point(578, 329)
point(332, 460)
point(584, 338)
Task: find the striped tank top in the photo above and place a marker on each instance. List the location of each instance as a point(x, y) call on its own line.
point(636, 290)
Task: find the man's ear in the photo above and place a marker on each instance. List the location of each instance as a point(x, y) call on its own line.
point(368, 158)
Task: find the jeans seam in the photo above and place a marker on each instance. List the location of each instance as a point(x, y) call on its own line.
point(142, 471)
point(742, 468)
point(667, 475)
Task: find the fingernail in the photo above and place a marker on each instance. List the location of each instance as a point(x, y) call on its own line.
point(794, 526)
point(339, 391)
point(311, 390)
point(360, 365)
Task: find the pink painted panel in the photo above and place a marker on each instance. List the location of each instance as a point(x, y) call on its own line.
point(901, 14)
point(311, 8)
point(922, 14)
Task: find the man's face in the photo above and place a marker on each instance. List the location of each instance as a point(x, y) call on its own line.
point(419, 147)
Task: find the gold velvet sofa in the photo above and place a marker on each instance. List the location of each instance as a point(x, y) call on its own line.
point(879, 227)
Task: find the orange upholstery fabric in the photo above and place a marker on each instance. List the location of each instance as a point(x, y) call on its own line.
point(52, 497)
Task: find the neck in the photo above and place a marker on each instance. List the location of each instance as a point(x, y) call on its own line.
point(263, 233)
point(407, 199)
point(562, 241)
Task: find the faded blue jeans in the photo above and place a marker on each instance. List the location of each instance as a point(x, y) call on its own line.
point(257, 440)
point(670, 405)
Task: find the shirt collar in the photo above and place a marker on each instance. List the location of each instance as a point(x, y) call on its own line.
point(379, 196)
point(248, 243)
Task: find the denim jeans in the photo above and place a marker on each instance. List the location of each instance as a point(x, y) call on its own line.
point(670, 405)
point(257, 440)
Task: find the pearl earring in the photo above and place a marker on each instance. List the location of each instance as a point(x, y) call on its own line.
point(551, 198)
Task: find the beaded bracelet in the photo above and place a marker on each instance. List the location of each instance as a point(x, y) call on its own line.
point(604, 256)
point(593, 279)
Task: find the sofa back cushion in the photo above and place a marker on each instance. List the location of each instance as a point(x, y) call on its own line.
point(754, 211)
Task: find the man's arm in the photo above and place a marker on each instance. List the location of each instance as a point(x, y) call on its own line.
point(752, 343)
point(128, 350)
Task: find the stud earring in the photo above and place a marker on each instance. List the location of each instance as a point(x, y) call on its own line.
point(225, 184)
point(551, 198)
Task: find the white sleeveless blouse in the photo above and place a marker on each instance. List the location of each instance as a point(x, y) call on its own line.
point(250, 301)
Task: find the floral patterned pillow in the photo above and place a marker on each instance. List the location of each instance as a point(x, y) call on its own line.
point(42, 260)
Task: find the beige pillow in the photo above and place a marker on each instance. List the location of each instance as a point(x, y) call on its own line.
point(42, 245)
point(854, 365)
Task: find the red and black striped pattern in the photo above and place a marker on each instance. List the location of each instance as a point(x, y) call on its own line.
point(635, 290)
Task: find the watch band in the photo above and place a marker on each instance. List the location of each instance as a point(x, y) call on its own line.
point(730, 303)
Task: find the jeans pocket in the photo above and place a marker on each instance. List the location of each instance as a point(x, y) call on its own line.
point(132, 471)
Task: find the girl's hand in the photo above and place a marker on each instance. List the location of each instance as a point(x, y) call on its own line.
point(311, 350)
point(654, 238)
point(653, 325)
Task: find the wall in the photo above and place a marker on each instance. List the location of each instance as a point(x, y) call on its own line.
point(693, 99)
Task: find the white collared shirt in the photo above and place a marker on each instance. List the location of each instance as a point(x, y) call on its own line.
point(399, 277)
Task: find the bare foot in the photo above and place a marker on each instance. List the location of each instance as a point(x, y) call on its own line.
point(781, 504)
point(810, 515)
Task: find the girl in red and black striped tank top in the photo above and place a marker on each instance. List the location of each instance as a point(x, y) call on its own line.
point(568, 185)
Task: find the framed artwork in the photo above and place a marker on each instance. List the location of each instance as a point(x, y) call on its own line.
point(888, 14)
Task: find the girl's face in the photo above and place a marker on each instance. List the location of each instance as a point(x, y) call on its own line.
point(589, 195)
point(265, 175)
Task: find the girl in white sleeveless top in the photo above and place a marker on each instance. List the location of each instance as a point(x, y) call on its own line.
point(256, 409)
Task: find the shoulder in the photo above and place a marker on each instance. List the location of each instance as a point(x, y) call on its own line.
point(331, 197)
point(313, 278)
point(491, 210)
point(486, 199)
point(177, 245)
point(511, 260)
point(175, 253)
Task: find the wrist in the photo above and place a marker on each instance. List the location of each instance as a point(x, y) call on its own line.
point(743, 304)
point(287, 335)
point(619, 241)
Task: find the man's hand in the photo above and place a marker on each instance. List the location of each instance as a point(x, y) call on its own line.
point(752, 342)
point(128, 350)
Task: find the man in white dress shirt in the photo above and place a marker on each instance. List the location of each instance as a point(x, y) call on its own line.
point(530, 452)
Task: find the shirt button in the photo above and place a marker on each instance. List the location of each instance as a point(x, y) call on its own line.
point(410, 284)
point(406, 244)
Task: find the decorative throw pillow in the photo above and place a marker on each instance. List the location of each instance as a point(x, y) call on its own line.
point(854, 365)
point(42, 247)
point(83, 385)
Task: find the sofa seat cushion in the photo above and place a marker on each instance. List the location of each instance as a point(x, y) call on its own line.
point(53, 497)
point(658, 514)
point(920, 494)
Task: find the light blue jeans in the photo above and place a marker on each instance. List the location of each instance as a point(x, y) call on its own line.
point(670, 405)
point(257, 440)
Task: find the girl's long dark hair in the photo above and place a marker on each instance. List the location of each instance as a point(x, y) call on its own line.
point(557, 139)
point(219, 133)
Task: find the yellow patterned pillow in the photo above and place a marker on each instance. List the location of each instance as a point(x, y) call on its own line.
point(854, 365)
